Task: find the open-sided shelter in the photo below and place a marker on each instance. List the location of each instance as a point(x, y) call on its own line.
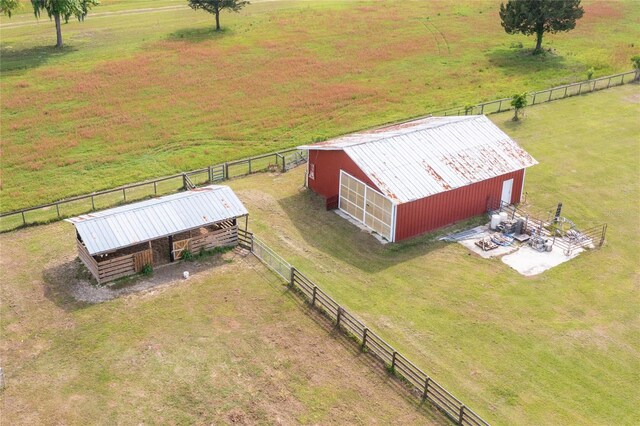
point(406, 179)
point(120, 241)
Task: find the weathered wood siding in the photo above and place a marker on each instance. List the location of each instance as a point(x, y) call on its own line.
point(88, 260)
point(122, 266)
point(220, 238)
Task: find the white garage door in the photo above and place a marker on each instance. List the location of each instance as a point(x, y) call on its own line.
point(366, 205)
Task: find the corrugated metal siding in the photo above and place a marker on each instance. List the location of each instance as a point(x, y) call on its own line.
point(436, 211)
point(421, 163)
point(124, 226)
point(327, 165)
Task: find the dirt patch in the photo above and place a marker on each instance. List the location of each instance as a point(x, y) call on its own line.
point(70, 282)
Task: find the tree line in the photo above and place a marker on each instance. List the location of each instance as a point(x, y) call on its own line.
point(63, 10)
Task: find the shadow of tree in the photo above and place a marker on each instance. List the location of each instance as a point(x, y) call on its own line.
point(22, 60)
point(198, 35)
point(335, 236)
point(522, 61)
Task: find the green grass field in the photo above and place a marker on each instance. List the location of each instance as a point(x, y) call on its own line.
point(558, 348)
point(228, 346)
point(139, 95)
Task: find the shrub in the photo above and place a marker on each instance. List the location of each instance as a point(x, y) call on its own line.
point(147, 269)
point(186, 255)
point(590, 72)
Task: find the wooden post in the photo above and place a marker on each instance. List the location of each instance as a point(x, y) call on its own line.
point(292, 278)
point(580, 89)
point(93, 204)
point(604, 232)
point(210, 174)
point(284, 164)
point(24, 222)
point(249, 165)
point(425, 393)
point(365, 332)
point(313, 296)
point(461, 414)
point(338, 317)
point(393, 361)
point(534, 99)
point(124, 194)
point(155, 188)
point(58, 210)
point(609, 82)
point(226, 170)
point(184, 182)
point(482, 109)
point(500, 106)
point(550, 92)
point(565, 91)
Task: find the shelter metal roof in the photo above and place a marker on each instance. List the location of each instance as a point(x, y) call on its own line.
point(432, 155)
point(123, 226)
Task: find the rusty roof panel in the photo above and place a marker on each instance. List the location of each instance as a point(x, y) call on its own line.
point(123, 226)
point(432, 155)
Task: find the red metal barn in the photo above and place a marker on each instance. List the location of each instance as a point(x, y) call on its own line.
point(406, 179)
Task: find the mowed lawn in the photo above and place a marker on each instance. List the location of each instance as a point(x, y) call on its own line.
point(229, 346)
point(557, 348)
point(139, 95)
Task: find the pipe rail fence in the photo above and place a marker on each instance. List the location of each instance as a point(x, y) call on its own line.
point(281, 160)
point(278, 161)
point(397, 364)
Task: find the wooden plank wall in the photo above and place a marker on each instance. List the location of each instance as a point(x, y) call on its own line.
point(88, 260)
point(123, 266)
point(220, 238)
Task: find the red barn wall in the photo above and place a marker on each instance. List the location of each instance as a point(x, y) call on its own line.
point(327, 166)
point(427, 214)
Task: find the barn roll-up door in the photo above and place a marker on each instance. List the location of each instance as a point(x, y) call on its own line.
point(366, 205)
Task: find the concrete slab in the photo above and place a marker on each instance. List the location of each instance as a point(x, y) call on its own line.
point(496, 252)
point(529, 262)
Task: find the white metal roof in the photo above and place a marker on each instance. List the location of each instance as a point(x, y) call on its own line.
point(135, 223)
point(428, 156)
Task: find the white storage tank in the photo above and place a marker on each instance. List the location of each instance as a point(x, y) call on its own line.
point(495, 221)
point(503, 217)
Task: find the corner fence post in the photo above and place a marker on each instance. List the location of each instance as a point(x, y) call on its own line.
point(284, 164)
point(461, 416)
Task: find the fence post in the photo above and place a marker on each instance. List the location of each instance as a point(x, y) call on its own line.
point(93, 204)
point(249, 165)
point(124, 193)
point(500, 106)
point(604, 232)
point(210, 174)
point(184, 182)
point(338, 316)
point(313, 296)
point(24, 221)
point(58, 210)
point(155, 188)
point(426, 388)
point(482, 109)
point(461, 416)
point(365, 332)
point(580, 88)
point(534, 98)
point(292, 276)
point(550, 92)
point(565, 91)
point(393, 361)
point(284, 164)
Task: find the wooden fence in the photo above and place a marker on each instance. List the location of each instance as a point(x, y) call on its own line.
point(281, 161)
point(419, 381)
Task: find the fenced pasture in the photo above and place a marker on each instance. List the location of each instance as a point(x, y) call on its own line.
point(132, 96)
point(225, 346)
point(503, 344)
point(368, 340)
point(279, 161)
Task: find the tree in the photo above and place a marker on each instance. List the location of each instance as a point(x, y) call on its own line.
point(215, 6)
point(519, 101)
point(540, 16)
point(63, 9)
point(7, 7)
point(635, 60)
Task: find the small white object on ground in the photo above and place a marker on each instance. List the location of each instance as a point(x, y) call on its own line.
point(185, 274)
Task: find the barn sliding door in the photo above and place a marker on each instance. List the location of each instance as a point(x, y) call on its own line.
point(366, 205)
